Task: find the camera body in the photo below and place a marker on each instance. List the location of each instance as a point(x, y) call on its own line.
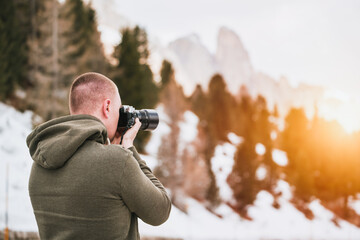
point(149, 118)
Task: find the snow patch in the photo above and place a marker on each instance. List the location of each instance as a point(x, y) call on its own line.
point(188, 130)
point(273, 135)
point(156, 136)
point(222, 164)
point(289, 223)
point(151, 161)
point(280, 157)
point(285, 190)
point(355, 204)
point(261, 173)
point(234, 139)
point(260, 149)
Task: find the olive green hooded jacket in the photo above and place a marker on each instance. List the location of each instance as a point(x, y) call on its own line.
point(83, 188)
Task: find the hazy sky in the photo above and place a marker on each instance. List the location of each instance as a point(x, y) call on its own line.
point(316, 42)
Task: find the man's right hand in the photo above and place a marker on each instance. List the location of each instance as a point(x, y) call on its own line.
point(130, 135)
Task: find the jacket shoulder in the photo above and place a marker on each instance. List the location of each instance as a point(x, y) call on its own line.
point(110, 153)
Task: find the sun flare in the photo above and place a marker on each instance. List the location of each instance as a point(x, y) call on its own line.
point(346, 113)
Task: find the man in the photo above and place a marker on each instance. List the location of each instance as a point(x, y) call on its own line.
point(83, 187)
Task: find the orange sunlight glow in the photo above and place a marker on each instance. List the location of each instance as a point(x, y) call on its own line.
point(345, 111)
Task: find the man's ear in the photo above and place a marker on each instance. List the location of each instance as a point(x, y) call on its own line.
point(106, 108)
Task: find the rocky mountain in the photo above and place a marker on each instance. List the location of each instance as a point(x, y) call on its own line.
point(194, 64)
point(233, 60)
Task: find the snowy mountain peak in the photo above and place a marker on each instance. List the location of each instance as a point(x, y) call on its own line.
point(194, 64)
point(226, 35)
point(192, 61)
point(194, 38)
point(233, 60)
point(190, 41)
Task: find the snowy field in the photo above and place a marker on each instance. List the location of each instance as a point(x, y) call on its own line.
point(268, 223)
point(14, 155)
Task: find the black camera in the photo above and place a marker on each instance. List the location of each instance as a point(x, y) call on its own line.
point(148, 117)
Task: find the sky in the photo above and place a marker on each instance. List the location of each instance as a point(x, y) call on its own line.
point(315, 42)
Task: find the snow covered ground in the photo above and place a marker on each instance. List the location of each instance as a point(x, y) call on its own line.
point(14, 127)
point(268, 223)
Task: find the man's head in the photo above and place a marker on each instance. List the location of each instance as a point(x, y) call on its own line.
point(94, 94)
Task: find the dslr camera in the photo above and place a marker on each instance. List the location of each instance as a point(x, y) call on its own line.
point(149, 118)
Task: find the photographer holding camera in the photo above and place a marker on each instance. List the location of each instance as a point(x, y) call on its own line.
point(83, 184)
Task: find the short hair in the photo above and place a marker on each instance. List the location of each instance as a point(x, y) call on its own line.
point(88, 91)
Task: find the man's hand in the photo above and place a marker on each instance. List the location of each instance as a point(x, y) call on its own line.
point(129, 135)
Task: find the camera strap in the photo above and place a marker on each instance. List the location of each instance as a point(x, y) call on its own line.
point(123, 133)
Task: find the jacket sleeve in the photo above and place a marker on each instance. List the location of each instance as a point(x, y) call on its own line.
point(142, 192)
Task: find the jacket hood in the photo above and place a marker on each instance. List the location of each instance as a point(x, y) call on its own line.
point(52, 143)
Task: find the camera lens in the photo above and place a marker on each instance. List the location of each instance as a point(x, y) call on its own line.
point(149, 119)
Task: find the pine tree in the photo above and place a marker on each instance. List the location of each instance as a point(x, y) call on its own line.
point(173, 100)
point(44, 68)
point(219, 115)
point(166, 73)
point(83, 50)
point(13, 54)
point(133, 75)
point(243, 109)
point(295, 141)
point(242, 179)
point(263, 135)
point(171, 166)
point(216, 111)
